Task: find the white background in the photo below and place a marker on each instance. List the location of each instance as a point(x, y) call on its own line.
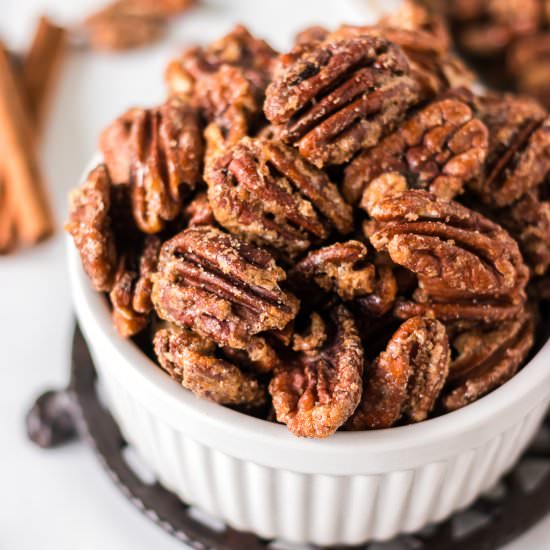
point(62, 499)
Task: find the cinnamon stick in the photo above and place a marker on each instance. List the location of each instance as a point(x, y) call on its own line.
point(33, 216)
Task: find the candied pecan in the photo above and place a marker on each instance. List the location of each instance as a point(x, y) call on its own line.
point(91, 228)
point(131, 292)
point(487, 358)
point(237, 49)
point(341, 268)
point(487, 27)
point(466, 265)
point(199, 211)
point(340, 96)
point(191, 360)
point(407, 378)
point(528, 221)
point(222, 288)
point(264, 192)
point(440, 148)
point(321, 388)
point(313, 338)
point(382, 298)
point(519, 150)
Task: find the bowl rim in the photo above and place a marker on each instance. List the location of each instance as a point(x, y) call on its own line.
point(237, 433)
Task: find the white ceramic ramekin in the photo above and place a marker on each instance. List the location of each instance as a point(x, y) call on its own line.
point(347, 489)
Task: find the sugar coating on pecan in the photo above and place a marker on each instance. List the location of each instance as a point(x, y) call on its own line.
point(519, 153)
point(266, 193)
point(382, 298)
point(466, 265)
point(91, 227)
point(320, 389)
point(339, 96)
point(221, 287)
point(158, 152)
point(440, 148)
point(191, 360)
point(199, 211)
point(487, 358)
point(238, 49)
point(341, 268)
point(131, 292)
point(407, 378)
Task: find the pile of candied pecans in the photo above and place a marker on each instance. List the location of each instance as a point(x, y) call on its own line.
point(343, 236)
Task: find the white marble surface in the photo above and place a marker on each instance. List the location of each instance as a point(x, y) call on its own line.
point(62, 499)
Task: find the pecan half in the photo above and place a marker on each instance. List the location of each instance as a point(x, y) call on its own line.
point(321, 388)
point(341, 268)
point(466, 265)
point(161, 150)
point(191, 360)
point(131, 292)
point(340, 96)
point(266, 193)
point(221, 288)
point(487, 358)
point(519, 154)
point(441, 148)
point(237, 49)
point(407, 378)
point(91, 227)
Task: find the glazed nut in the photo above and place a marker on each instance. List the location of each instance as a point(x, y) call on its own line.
point(220, 287)
point(131, 292)
point(91, 228)
point(163, 151)
point(440, 148)
point(191, 361)
point(487, 358)
point(321, 388)
point(340, 96)
point(466, 265)
point(264, 192)
point(407, 378)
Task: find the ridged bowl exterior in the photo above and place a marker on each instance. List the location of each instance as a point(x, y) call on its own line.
point(347, 489)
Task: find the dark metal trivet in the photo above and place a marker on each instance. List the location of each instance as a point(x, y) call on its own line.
point(518, 502)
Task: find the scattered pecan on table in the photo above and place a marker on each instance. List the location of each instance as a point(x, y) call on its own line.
point(344, 236)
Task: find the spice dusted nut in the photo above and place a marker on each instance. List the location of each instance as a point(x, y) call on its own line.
point(519, 150)
point(162, 151)
point(467, 266)
point(340, 96)
point(221, 288)
point(487, 357)
point(407, 378)
point(266, 193)
point(320, 389)
point(131, 292)
point(191, 360)
point(91, 228)
point(238, 49)
point(440, 148)
point(341, 268)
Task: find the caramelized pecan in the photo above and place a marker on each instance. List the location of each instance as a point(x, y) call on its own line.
point(237, 49)
point(221, 288)
point(131, 292)
point(519, 153)
point(407, 378)
point(91, 228)
point(466, 265)
point(266, 193)
point(199, 211)
point(487, 358)
point(440, 148)
point(161, 149)
point(191, 360)
point(319, 390)
point(339, 96)
point(341, 268)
